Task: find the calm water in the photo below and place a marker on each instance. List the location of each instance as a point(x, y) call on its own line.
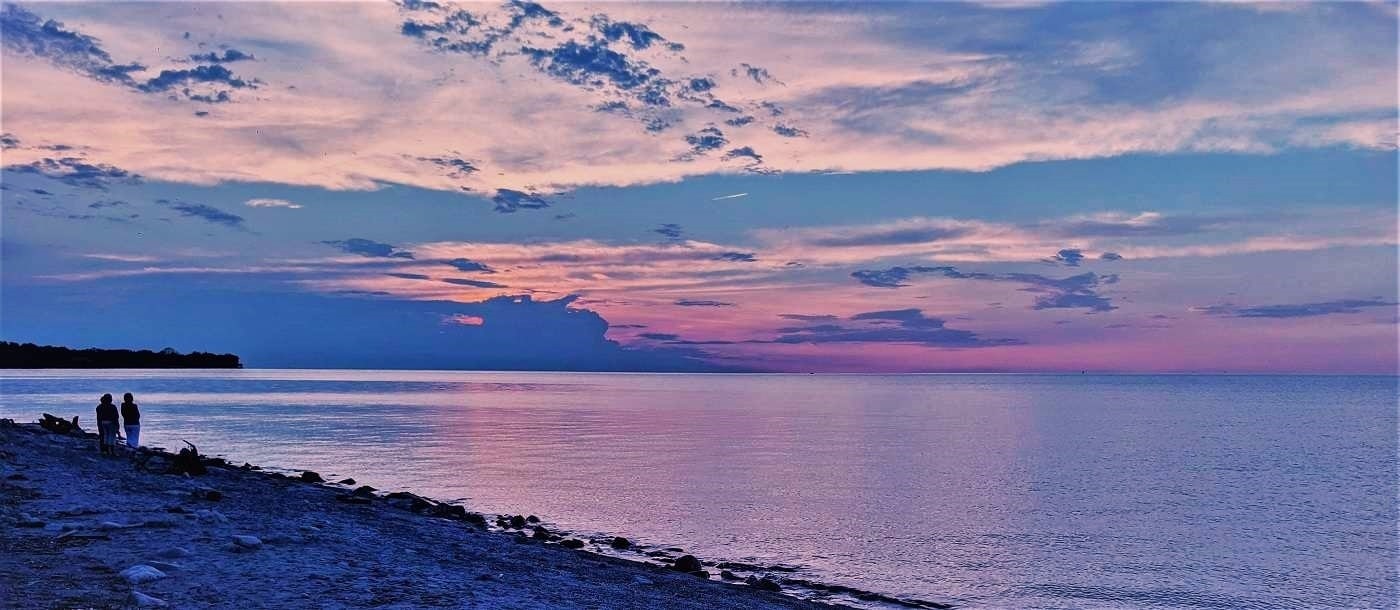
point(982, 490)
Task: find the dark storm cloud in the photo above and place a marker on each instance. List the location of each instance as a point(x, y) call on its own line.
point(78, 172)
point(368, 247)
point(204, 212)
point(1111, 256)
point(1294, 310)
point(740, 121)
point(409, 276)
point(8, 141)
point(508, 201)
point(658, 336)
point(1074, 292)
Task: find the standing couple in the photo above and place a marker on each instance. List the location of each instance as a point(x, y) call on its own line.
point(107, 423)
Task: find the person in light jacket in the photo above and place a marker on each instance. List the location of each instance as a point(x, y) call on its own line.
point(131, 416)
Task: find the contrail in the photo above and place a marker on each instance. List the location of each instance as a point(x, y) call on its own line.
point(734, 196)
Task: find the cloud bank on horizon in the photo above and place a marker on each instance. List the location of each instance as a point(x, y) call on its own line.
point(743, 187)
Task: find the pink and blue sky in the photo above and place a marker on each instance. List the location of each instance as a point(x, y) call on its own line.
point(680, 187)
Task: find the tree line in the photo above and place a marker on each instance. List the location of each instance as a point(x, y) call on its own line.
point(30, 356)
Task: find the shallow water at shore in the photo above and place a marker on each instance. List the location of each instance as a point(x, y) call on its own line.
point(982, 490)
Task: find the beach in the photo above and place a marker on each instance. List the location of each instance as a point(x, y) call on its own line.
point(83, 530)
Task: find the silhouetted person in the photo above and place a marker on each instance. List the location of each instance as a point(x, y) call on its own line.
point(107, 425)
point(131, 417)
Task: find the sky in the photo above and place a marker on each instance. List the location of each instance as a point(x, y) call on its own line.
point(789, 187)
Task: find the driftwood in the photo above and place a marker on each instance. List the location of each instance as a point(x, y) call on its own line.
point(59, 425)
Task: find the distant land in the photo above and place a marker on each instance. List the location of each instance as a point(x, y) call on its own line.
point(30, 356)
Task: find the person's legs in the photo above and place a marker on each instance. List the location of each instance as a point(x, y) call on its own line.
point(133, 436)
point(109, 437)
point(102, 437)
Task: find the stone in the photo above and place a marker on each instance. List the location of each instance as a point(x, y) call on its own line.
point(532, 519)
point(174, 552)
point(621, 543)
point(17, 477)
point(247, 542)
point(25, 520)
point(213, 495)
point(164, 566)
point(210, 516)
point(571, 543)
point(346, 481)
point(765, 583)
point(364, 491)
point(541, 533)
point(727, 575)
point(140, 573)
point(353, 499)
point(311, 477)
point(475, 519)
point(517, 522)
point(642, 580)
point(688, 563)
point(141, 600)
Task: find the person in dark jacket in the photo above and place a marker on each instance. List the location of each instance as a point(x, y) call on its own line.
point(107, 425)
point(131, 417)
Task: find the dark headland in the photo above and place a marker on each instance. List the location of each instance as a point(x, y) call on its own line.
point(152, 528)
point(30, 356)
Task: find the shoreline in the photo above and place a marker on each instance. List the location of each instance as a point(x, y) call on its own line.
point(72, 514)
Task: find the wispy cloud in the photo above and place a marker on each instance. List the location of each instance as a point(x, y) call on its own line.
point(734, 196)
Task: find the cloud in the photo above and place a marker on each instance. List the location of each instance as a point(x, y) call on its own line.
point(1074, 292)
point(370, 248)
point(669, 231)
point(733, 196)
point(737, 257)
point(1295, 310)
point(508, 201)
point(8, 141)
point(788, 131)
point(205, 212)
point(472, 283)
point(1111, 256)
point(892, 326)
point(658, 336)
point(27, 34)
point(229, 56)
point(74, 171)
point(704, 141)
point(702, 303)
point(808, 318)
point(409, 276)
point(1068, 257)
point(456, 167)
point(271, 203)
point(468, 265)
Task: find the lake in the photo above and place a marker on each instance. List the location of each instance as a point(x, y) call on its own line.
point(985, 491)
